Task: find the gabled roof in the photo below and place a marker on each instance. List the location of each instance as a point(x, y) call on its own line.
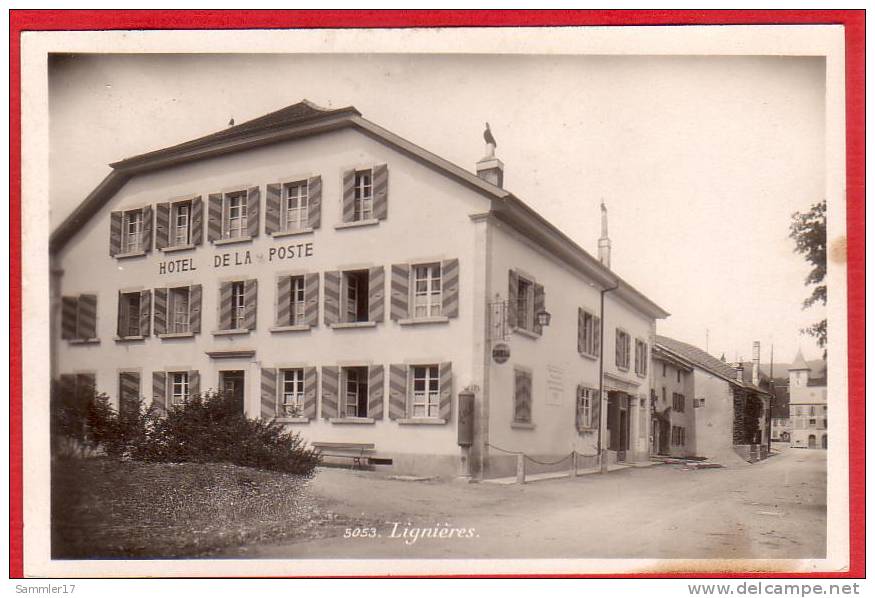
point(799, 363)
point(305, 119)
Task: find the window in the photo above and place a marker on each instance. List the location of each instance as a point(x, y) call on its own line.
point(363, 198)
point(678, 436)
point(811, 410)
point(292, 393)
point(79, 317)
point(355, 392)
point(525, 304)
point(295, 206)
point(129, 315)
point(663, 394)
point(663, 370)
point(235, 210)
point(585, 413)
point(522, 397)
point(679, 374)
point(179, 310)
point(132, 231)
point(589, 333)
point(426, 391)
point(238, 305)
point(640, 357)
point(678, 402)
point(179, 390)
point(181, 224)
point(623, 349)
point(296, 301)
point(355, 296)
point(427, 296)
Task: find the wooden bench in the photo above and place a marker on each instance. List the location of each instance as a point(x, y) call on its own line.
point(357, 451)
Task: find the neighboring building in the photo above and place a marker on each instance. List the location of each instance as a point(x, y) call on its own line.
point(351, 284)
point(781, 429)
point(671, 406)
point(730, 415)
point(808, 406)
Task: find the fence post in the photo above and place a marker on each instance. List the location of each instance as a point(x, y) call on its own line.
point(573, 473)
point(520, 468)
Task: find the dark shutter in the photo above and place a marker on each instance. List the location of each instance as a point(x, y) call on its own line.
point(145, 314)
point(250, 302)
point(253, 200)
point(539, 305)
point(128, 392)
point(522, 396)
point(581, 329)
point(596, 336)
point(146, 245)
point(195, 303)
point(375, 392)
point(87, 318)
point(69, 311)
point(160, 316)
point(214, 217)
point(445, 407)
point(397, 391)
point(162, 225)
point(331, 313)
point(197, 221)
point(194, 383)
point(268, 393)
point(376, 294)
point(330, 391)
point(314, 207)
point(310, 390)
point(311, 299)
point(596, 418)
point(283, 301)
point(399, 306)
point(115, 233)
point(123, 315)
point(348, 195)
point(225, 306)
point(272, 209)
point(513, 284)
point(381, 191)
point(159, 391)
point(450, 288)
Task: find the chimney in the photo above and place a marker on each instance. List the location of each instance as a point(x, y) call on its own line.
point(604, 241)
point(739, 371)
point(755, 364)
point(491, 170)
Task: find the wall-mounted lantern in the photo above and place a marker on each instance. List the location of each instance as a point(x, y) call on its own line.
point(543, 317)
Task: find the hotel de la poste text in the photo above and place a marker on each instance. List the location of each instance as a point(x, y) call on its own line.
point(366, 293)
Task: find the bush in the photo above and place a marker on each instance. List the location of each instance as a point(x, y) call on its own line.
point(207, 428)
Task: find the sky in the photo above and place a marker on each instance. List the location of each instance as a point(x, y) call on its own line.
point(700, 160)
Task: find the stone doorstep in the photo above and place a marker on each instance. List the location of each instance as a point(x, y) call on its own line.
point(551, 475)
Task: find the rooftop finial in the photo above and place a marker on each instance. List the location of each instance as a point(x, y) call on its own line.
point(490, 142)
point(604, 241)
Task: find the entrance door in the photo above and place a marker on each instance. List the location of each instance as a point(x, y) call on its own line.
point(812, 441)
point(823, 441)
point(232, 382)
point(664, 438)
point(618, 423)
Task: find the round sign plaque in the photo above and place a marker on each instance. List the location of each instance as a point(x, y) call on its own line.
point(501, 352)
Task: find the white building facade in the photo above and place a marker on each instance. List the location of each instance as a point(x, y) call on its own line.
point(349, 284)
point(808, 407)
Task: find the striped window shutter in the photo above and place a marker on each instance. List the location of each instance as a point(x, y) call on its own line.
point(331, 313)
point(268, 393)
point(445, 406)
point(381, 191)
point(397, 391)
point(160, 316)
point(253, 200)
point(581, 346)
point(399, 305)
point(272, 209)
point(123, 315)
point(310, 389)
point(375, 392)
point(128, 392)
point(159, 391)
point(194, 382)
point(596, 418)
point(147, 229)
point(450, 287)
point(69, 310)
point(513, 284)
point(330, 390)
point(539, 304)
point(348, 195)
point(376, 294)
point(162, 225)
point(115, 233)
point(250, 300)
point(86, 385)
point(311, 299)
point(522, 396)
point(225, 306)
point(197, 221)
point(314, 205)
point(145, 314)
point(283, 299)
point(87, 318)
point(618, 349)
point(596, 336)
point(195, 303)
point(214, 217)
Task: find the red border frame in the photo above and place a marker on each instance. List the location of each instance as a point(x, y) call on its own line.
point(854, 24)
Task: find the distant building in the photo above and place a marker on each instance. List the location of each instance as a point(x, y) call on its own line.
point(671, 406)
point(808, 406)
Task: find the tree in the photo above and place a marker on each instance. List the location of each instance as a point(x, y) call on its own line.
point(808, 230)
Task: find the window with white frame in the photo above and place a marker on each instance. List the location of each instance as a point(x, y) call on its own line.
point(355, 392)
point(132, 231)
point(292, 392)
point(178, 310)
point(678, 436)
point(179, 392)
point(525, 304)
point(426, 390)
point(355, 296)
point(363, 195)
point(640, 357)
point(588, 344)
point(585, 401)
point(129, 314)
point(427, 295)
point(295, 206)
point(296, 300)
point(238, 304)
point(180, 224)
point(235, 214)
point(678, 402)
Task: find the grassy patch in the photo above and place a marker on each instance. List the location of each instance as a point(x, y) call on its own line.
point(105, 508)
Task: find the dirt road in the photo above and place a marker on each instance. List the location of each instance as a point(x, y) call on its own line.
point(773, 509)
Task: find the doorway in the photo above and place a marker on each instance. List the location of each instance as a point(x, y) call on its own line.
point(232, 382)
point(823, 441)
point(812, 441)
point(618, 423)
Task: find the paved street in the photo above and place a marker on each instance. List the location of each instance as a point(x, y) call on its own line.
point(773, 509)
